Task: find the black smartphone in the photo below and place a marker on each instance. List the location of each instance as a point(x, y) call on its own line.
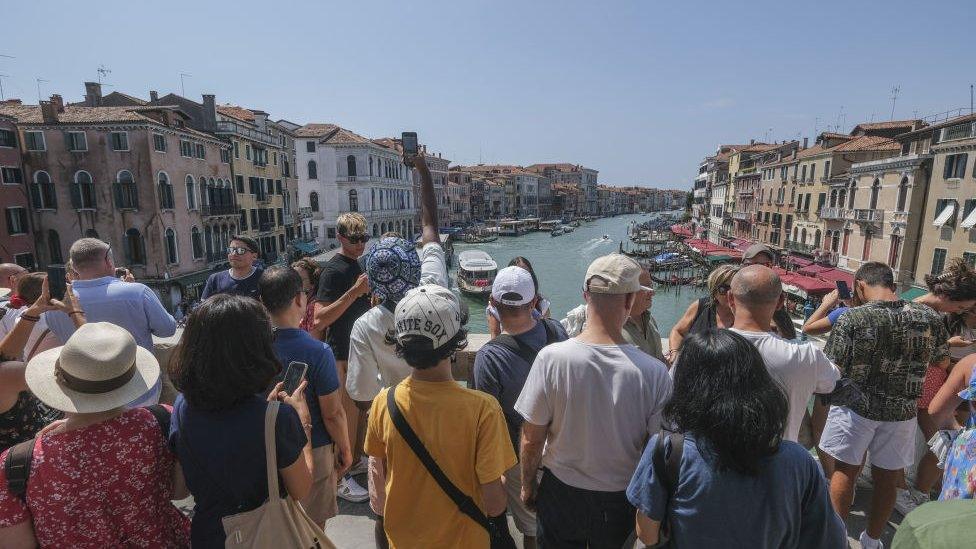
point(56, 282)
point(294, 375)
point(120, 272)
point(843, 291)
point(409, 140)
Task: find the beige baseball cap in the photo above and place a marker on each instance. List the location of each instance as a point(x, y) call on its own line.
point(613, 274)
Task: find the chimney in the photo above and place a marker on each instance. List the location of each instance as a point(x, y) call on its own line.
point(209, 121)
point(49, 112)
point(58, 101)
point(260, 120)
point(153, 96)
point(806, 140)
point(93, 94)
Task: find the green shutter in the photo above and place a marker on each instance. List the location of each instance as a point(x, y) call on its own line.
point(75, 196)
point(35, 196)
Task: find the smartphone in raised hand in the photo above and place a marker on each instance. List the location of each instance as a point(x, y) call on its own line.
point(410, 146)
point(843, 291)
point(294, 375)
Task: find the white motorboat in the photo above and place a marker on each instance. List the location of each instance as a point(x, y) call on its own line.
point(476, 272)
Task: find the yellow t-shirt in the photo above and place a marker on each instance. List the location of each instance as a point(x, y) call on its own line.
point(465, 433)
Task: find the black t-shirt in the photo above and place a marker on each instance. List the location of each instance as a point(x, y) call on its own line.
point(338, 275)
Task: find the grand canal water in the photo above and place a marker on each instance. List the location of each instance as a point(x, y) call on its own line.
point(560, 264)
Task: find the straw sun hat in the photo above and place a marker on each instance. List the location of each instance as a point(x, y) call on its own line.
point(100, 368)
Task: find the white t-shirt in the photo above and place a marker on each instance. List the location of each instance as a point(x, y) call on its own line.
point(34, 342)
point(602, 403)
point(800, 368)
point(373, 363)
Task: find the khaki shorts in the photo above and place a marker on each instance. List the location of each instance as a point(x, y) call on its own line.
point(524, 519)
point(320, 504)
point(376, 480)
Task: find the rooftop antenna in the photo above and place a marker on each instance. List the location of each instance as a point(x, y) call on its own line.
point(39, 80)
point(840, 113)
point(970, 99)
point(894, 97)
point(816, 126)
point(103, 71)
point(182, 86)
point(2, 76)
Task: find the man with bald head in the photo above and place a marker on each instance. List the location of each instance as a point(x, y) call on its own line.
point(800, 368)
point(10, 273)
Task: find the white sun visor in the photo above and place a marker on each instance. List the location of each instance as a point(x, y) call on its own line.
point(945, 214)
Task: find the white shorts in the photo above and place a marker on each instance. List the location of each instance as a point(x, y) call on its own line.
point(524, 518)
point(847, 436)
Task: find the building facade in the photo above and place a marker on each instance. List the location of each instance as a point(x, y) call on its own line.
point(139, 178)
point(16, 242)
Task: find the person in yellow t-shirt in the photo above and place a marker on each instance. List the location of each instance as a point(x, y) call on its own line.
point(463, 430)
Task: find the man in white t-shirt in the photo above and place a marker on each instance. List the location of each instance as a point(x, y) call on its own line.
point(590, 404)
point(392, 267)
point(801, 368)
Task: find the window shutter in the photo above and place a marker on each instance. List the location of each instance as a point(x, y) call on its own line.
point(947, 170)
point(93, 196)
point(75, 196)
point(117, 195)
point(35, 195)
point(10, 221)
point(961, 165)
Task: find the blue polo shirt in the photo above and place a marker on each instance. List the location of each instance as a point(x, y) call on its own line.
point(293, 344)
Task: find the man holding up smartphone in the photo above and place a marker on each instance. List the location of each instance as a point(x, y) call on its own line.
point(281, 292)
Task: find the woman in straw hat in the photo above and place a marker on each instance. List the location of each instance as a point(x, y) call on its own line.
point(105, 476)
point(224, 361)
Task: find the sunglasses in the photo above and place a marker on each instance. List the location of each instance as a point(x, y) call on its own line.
point(235, 250)
point(357, 238)
point(723, 289)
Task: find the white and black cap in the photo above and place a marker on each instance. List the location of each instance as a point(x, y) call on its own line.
point(429, 311)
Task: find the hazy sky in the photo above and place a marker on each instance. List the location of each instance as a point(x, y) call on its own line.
point(638, 90)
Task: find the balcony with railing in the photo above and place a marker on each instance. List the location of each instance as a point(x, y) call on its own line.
point(899, 217)
point(742, 216)
point(800, 247)
point(210, 210)
point(241, 130)
point(865, 215)
point(266, 227)
point(263, 198)
point(833, 213)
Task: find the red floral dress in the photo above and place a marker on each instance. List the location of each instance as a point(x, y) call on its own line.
point(105, 485)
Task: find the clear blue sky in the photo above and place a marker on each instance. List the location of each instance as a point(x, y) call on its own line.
point(638, 90)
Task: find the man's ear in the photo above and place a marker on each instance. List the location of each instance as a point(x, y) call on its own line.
point(731, 299)
point(781, 301)
point(629, 300)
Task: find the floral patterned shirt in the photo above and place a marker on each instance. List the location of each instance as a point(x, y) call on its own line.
point(104, 485)
point(884, 348)
point(959, 479)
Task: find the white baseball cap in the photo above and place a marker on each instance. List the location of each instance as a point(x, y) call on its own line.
point(613, 274)
point(430, 311)
point(513, 286)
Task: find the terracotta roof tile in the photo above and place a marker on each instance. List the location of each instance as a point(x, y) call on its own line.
point(234, 111)
point(891, 124)
point(833, 135)
point(316, 130)
point(869, 143)
point(31, 114)
point(940, 125)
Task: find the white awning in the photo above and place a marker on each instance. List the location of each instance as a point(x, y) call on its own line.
point(970, 220)
point(946, 213)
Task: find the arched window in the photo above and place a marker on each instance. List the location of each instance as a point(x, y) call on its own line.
point(902, 194)
point(816, 239)
point(135, 248)
point(376, 231)
point(875, 190)
point(208, 242)
point(172, 255)
point(224, 237)
point(353, 200)
point(191, 193)
point(124, 191)
point(850, 196)
point(215, 194)
point(165, 192)
point(313, 201)
point(313, 170)
point(372, 198)
point(54, 247)
point(371, 165)
point(399, 228)
point(83, 192)
point(42, 192)
point(196, 243)
point(351, 165)
point(383, 228)
point(381, 198)
point(803, 236)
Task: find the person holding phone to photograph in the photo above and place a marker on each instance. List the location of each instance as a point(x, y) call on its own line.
point(831, 307)
point(306, 358)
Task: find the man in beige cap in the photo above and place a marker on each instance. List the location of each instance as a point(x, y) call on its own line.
point(591, 402)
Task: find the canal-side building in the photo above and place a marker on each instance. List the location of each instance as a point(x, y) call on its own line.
point(16, 240)
point(139, 178)
point(585, 179)
point(341, 171)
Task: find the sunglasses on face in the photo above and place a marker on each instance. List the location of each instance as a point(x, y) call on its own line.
point(235, 250)
point(357, 238)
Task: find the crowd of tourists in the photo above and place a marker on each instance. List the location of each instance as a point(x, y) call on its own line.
point(290, 381)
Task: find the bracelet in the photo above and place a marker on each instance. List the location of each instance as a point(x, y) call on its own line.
point(76, 313)
point(30, 318)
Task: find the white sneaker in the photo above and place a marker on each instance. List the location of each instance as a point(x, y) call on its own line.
point(351, 491)
point(869, 543)
point(360, 468)
point(909, 499)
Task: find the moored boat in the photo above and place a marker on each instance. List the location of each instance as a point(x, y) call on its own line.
point(476, 272)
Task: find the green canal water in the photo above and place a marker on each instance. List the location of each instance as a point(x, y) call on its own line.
point(560, 264)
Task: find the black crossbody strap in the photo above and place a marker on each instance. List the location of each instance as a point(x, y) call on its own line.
point(17, 467)
point(464, 502)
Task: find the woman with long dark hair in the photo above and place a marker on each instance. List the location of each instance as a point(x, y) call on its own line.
point(735, 468)
point(223, 366)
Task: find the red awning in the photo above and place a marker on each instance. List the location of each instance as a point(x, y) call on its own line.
point(833, 275)
point(814, 270)
point(680, 230)
point(808, 283)
point(800, 261)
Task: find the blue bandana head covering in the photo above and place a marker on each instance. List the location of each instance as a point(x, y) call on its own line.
point(392, 267)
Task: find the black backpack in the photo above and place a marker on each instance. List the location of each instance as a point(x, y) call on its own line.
point(18, 463)
point(520, 348)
